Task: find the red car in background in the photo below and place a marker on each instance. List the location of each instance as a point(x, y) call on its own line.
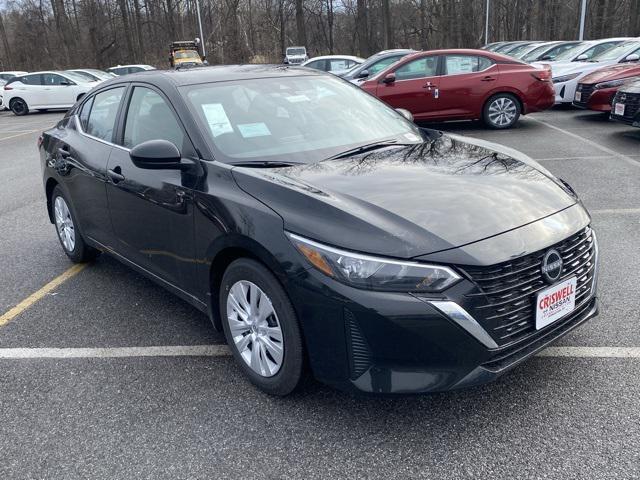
point(464, 85)
point(596, 90)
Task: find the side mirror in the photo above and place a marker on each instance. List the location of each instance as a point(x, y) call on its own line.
point(546, 57)
point(634, 57)
point(405, 113)
point(156, 155)
point(363, 74)
point(389, 78)
point(579, 58)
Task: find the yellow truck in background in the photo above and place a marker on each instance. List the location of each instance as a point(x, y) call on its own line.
point(185, 54)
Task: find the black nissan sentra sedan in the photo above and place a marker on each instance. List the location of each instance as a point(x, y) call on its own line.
point(320, 229)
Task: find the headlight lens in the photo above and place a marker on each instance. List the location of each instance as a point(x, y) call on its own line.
point(374, 273)
point(616, 83)
point(565, 78)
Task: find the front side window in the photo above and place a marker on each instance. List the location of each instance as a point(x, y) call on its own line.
point(382, 64)
point(300, 119)
point(339, 64)
point(102, 116)
point(52, 79)
point(149, 117)
point(318, 65)
point(420, 68)
point(459, 64)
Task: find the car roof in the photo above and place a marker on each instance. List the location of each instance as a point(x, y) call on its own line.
point(462, 51)
point(329, 57)
point(132, 65)
point(219, 73)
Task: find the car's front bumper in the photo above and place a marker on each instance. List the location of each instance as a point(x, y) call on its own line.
point(565, 91)
point(378, 342)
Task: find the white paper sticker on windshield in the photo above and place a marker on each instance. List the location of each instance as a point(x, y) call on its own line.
point(249, 130)
point(217, 119)
point(297, 98)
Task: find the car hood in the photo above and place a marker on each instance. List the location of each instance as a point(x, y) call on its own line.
point(406, 201)
point(631, 88)
point(613, 72)
point(566, 68)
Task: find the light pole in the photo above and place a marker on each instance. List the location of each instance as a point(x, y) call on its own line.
point(204, 51)
point(486, 24)
point(583, 14)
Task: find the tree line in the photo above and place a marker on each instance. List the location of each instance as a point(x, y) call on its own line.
point(57, 34)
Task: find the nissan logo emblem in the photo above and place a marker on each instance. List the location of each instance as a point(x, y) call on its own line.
point(552, 266)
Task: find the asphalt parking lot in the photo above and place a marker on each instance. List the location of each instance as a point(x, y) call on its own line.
point(119, 409)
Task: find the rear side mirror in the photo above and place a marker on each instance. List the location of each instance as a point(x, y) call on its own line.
point(389, 78)
point(156, 155)
point(363, 73)
point(405, 113)
point(579, 58)
point(634, 57)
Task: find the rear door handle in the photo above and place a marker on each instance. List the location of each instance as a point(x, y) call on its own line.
point(115, 175)
point(488, 79)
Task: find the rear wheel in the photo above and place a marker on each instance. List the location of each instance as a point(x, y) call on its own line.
point(261, 327)
point(501, 111)
point(67, 228)
point(18, 106)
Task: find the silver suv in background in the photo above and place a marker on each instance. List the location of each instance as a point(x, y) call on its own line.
point(295, 56)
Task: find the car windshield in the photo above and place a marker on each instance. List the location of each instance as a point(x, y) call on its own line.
point(572, 52)
point(88, 77)
point(301, 119)
point(296, 51)
point(616, 52)
point(77, 77)
point(535, 53)
point(100, 74)
point(518, 50)
point(182, 54)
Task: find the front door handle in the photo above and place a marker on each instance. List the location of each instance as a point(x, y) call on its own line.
point(64, 152)
point(115, 175)
point(428, 85)
point(488, 79)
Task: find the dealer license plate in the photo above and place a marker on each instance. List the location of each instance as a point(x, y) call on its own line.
point(619, 109)
point(556, 302)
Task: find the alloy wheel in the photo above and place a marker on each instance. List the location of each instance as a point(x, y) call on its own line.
point(18, 107)
point(502, 111)
point(64, 224)
point(255, 328)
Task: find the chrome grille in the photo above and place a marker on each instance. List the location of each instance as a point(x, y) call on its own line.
point(505, 305)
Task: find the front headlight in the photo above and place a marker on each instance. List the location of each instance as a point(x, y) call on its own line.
point(616, 83)
point(565, 78)
point(374, 273)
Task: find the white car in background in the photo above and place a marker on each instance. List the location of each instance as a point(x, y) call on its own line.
point(583, 51)
point(93, 74)
point(45, 90)
point(4, 78)
point(336, 64)
point(127, 69)
point(567, 75)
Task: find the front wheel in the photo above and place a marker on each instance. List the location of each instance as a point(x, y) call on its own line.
point(261, 327)
point(67, 228)
point(501, 111)
point(19, 107)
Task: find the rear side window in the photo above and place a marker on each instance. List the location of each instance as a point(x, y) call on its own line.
point(29, 79)
point(102, 115)
point(149, 117)
point(420, 68)
point(459, 64)
point(318, 65)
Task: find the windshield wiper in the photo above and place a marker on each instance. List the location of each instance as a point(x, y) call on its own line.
point(265, 164)
point(364, 148)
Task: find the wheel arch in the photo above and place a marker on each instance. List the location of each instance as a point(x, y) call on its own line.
point(50, 185)
point(222, 253)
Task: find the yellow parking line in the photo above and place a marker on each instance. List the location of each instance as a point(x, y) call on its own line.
point(34, 297)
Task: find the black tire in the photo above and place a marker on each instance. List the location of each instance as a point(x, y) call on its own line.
point(503, 102)
point(19, 107)
point(81, 252)
point(292, 369)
